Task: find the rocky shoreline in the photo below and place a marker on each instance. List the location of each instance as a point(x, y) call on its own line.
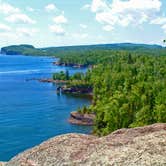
point(77, 90)
point(141, 146)
point(69, 64)
point(47, 80)
point(81, 119)
point(64, 88)
point(75, 117)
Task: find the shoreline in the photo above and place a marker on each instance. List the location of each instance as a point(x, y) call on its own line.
point(46, 80)
point(69, 64)
point(64, 89)
point(77, 118)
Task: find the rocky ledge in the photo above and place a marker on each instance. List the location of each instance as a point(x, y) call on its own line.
point(81, 119)
point(86, 91)
point(143, 146)
point(69, 64)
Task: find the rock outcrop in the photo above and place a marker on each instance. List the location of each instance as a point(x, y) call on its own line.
point(69, 64)
point(81, 119)
point(2, 163)
point(143, 146)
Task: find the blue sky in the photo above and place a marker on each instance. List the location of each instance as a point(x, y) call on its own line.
point(62, 22)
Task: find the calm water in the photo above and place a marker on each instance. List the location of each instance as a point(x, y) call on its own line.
point(30, 111)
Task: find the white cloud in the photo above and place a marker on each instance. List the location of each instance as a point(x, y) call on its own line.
point(119, 6)
point(159, 20)
point(4, 28)
point(50, 7)
point(61, 19)
point(6, 8)
point(28, 32)
point(57, 29)
point(98, 5)
point(108, 28)
point(30, 9)
point(18, 33)
point(86, 6)
point(83, 26)
point(124, 13)
point(20, 19)
point(15, 15)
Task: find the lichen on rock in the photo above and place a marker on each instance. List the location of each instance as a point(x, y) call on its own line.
point(143, 146)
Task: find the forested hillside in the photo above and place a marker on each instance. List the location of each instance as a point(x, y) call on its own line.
point(129, 90)
point(84, 55)
point(128, 81)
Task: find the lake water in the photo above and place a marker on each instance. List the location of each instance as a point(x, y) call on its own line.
point(30, 111)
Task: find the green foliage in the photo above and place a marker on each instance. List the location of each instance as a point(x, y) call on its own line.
point(22, 50)
point(61, 75)
point(84, 110)
point(78, 76)
point(85, 55)
point(128, 91)
point(128, 80)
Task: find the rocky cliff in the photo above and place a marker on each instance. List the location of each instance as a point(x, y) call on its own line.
point(144, 146)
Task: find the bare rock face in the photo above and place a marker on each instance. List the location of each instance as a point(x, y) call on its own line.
point(81, 119)
point(144, 146)
point(2, 163)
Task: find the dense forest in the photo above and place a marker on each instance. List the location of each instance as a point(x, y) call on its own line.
point(129, 90)
point(84, 55)
point(128, 82)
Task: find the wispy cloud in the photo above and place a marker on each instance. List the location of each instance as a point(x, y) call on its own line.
point(61, 19)
point(6, 8)
point(86, 7)
point(14, 14)
point(83, 26)
point(28, 32)
point(58, 23)
point(57, 29)
point(30, 9)
point(20, 18)
point(50, 7)
point(4, 28)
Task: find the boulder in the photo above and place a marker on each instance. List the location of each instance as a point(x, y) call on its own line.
point(142, 146)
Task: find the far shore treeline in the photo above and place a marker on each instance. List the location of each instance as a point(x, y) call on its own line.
point(128, 81)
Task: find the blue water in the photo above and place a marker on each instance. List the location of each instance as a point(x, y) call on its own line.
point(30, 111)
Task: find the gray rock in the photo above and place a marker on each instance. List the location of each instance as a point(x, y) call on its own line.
point(144, 146)
point(2, 163)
